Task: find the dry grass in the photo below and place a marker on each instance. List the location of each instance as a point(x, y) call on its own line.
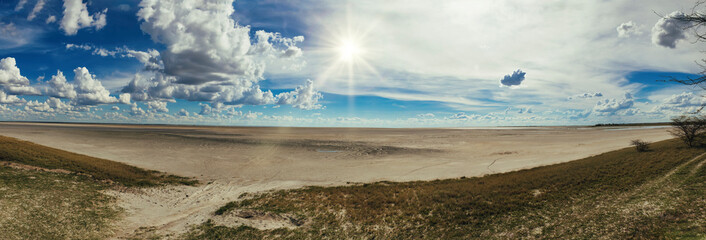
point(23, 152)
point(550, 201)
point(686, 218)
point(47, 193)
point(45, 205)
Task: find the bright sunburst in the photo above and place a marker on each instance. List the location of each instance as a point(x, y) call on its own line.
point(349, 50)
point(348, 53)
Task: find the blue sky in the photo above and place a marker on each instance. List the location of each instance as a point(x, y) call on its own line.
point(346, 63)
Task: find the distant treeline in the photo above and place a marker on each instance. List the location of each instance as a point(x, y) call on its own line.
point(631, 124)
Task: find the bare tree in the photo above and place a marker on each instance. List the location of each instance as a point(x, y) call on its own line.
point(692, 130)
point(689, 129)
point(696, 20)
point(696, 23)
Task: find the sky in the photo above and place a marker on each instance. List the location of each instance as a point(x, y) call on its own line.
point(411, 63)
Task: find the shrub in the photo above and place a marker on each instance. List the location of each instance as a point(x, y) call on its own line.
point(640, 146)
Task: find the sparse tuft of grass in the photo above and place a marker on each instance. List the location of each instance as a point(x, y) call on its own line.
point(541, 202)
point(23, 152)
point(208, 230)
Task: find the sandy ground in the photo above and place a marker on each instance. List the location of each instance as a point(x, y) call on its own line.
point(235, 160)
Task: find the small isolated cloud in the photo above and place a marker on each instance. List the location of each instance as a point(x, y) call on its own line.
point(124, 7)
point(426, 115)
point(37, 8)
point(669, 30)
point(514, 79)
point(20, 5)
point(50, 19)
point(76, 17)
point(628, 29)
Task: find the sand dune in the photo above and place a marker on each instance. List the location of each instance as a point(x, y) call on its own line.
point(234, 160)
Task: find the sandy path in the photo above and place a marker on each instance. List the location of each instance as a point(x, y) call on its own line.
point(238, 159)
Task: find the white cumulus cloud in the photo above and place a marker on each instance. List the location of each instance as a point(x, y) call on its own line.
point(209, 57)
point(10, 99)
point(685, 102)
point(59, 87)
point(76, 17)
point(612, 106)
point(89, 90)
point(12, 81)
point(669, 30)
point(157, 106)
point(303, 97)
point(10, 73)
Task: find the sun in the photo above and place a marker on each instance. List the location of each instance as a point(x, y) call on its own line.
point(349, 50)
point(348, 54)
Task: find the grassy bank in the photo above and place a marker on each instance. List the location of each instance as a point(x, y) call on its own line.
point(619, 194)
point(47, 193)
point(46, 205)
point(27, 153)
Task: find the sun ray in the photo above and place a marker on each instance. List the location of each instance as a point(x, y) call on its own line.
point(348, 54)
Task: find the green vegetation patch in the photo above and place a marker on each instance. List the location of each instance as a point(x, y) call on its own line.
point(45, 205)
point(528, 203)
point(23, 152)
